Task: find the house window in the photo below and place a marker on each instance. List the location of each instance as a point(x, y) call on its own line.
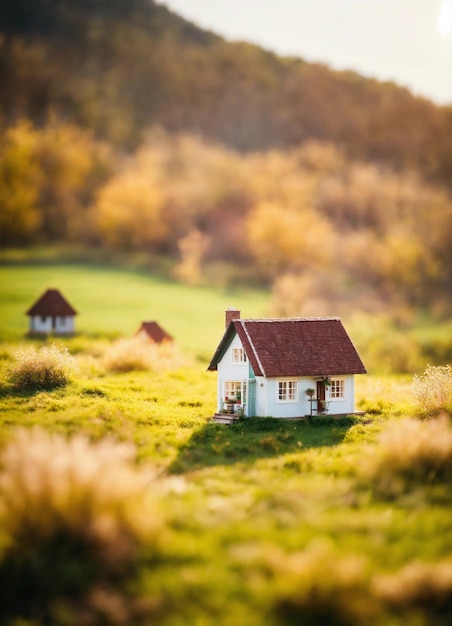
point(287, 390)
point(233, 390)
point(337, 389)
point(238, 355)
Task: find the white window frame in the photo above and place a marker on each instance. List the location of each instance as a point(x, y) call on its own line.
point(337, 389)
point(287, 390)
point(231, 387)
point(238, 355)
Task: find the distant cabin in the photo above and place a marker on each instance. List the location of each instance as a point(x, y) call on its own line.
point(52, 313)
point(152, 331)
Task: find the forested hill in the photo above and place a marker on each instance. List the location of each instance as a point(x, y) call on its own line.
point(118, 67)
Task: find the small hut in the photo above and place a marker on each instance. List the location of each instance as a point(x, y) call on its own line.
point(152, 331)
point(52, 313)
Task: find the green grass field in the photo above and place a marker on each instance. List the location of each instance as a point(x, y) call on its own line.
point(113, 302)
point(327, 522)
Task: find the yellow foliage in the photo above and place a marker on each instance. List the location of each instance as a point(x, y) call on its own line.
point(130, 212)
point(192, 248)
point(20, 179)
point(283, 237)
point(306, 294)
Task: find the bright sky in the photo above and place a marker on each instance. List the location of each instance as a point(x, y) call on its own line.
point(405, 41)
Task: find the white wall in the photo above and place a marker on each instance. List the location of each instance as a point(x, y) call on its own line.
point(63, 325)
point(39, 324)
point(268, 405)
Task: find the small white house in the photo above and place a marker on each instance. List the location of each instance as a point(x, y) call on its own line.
point(52, 313)
point(285, 368)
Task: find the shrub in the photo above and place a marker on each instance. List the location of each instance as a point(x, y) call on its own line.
point(46, 368)
point(136, 354)
point(74, 516)
point(433, 389)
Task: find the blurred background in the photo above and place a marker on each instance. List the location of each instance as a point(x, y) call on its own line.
point(300, 148)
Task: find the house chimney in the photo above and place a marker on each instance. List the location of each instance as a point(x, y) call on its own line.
point(231, 314)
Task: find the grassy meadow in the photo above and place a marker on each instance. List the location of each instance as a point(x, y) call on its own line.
point(122, 503)
point(113, 302)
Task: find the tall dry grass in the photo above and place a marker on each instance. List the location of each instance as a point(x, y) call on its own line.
point(418, 594)
point(410, 452)
point(322, 586)
point(43, 368)
point(138, 354)
point(319, 587)
point(74, 517)
point(432, 390)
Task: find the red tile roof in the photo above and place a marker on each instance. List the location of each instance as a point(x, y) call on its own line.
point(52, 304)
point(154, 331)
point(294, 347)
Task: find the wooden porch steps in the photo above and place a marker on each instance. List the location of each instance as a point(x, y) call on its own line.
point(225, 418)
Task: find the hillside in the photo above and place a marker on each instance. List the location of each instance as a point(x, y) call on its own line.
point(119, 67)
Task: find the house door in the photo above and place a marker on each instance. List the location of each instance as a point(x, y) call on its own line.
point(251, 403)
point(320, 396)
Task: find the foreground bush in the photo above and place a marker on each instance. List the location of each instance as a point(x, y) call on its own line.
point(433, 389)
point(137, 354)
point(420, 594)
point(319, 588)
point(323, 587)
point(410, 452)
point(48, 367)
point(74, 517)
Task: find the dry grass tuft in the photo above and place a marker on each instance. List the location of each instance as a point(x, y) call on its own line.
point(420, 592)
point(322, 587)
point(137, 354)
point(410, 452)
point(45, 368)
point(319, 587)
point(433, 389)
point(74, 514)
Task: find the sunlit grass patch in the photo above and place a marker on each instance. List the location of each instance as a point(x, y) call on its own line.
point(385, 395)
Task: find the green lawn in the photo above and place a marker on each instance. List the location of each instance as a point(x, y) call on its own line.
point(113, 302)
point(316, 523)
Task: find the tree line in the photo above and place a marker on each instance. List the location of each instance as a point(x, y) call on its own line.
point(322, 230)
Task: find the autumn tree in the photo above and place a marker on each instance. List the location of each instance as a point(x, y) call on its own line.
point(20, 181)
point(48, 177)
